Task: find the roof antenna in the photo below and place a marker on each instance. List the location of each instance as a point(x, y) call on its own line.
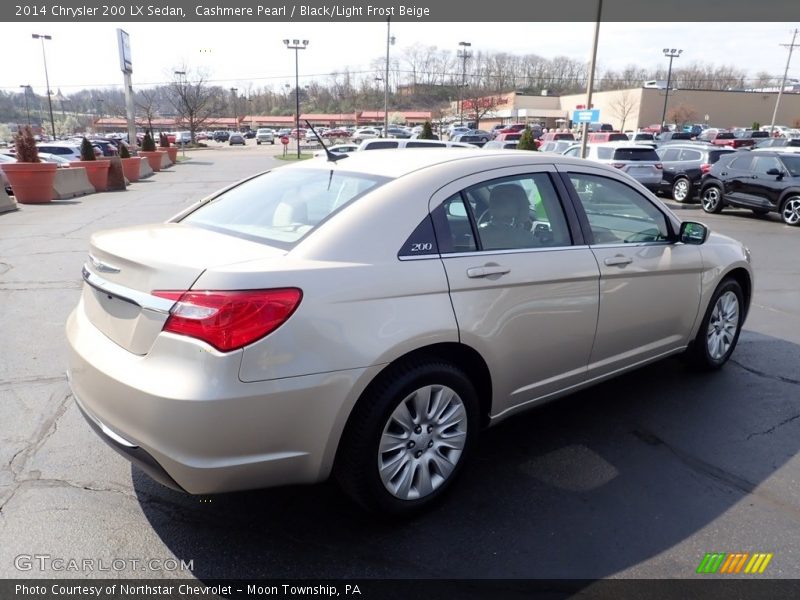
point(331, 156)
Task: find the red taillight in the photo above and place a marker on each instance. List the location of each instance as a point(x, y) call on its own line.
point(229, 320)
point(705, 168)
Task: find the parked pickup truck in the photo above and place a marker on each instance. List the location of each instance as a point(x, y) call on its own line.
point(728, 138)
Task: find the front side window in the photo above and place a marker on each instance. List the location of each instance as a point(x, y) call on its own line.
point(509, 213)
point(617, 213)
point(762, 164)
point(282, 206)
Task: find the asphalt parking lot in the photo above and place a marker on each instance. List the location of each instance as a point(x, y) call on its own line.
point(635, 478)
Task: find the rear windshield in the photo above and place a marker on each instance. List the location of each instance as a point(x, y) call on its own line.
point(648, 154)
point(282, 206)
point(725, 136)
point(617, 137)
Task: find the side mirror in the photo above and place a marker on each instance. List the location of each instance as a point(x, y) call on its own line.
point(777, 172)
point(693, 233)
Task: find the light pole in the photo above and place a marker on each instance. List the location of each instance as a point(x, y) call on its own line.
point(296, 45)
point(463, 54)
point(389, 41)
point(27, 110)
point(182, 97)
point(671, 53)
point(43, 37)
point(791, 47)
point(235, 113)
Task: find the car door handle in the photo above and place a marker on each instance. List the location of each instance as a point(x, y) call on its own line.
point(618, 261)
point(486, 271)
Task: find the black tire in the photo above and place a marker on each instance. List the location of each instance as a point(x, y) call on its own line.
point(258, 143)
point(357, 462)
point(681, 190)
point(699, 354)
point(711, 199)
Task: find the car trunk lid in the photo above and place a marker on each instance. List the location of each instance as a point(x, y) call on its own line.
point(126, 265)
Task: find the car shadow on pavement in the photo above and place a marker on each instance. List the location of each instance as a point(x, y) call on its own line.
point(582, 488)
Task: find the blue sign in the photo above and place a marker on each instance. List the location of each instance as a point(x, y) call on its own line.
point(586, 116)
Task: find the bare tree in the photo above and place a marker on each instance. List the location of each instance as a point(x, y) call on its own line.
point(682, 114)
point(146, 103)
point(194, 101)
point(622, 107)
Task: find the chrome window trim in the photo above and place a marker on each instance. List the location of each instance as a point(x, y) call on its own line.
point(141, 299)
point(516, 251)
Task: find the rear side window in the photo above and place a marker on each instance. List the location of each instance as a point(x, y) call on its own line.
point(381, 145)
point(282, 206)
point(670, 154)
point(637, 154)
point(715, 155)
point(743, 163)
point(424, 145)
point(691, 155)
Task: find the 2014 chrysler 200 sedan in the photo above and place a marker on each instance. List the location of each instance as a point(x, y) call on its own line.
point(367, 317)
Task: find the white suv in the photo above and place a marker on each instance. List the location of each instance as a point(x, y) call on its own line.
point(265, 135)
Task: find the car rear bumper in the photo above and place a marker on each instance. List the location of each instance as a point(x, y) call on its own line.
point(193, 425)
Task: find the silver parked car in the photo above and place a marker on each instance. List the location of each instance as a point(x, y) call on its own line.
point(640, 161)
point(367, 317)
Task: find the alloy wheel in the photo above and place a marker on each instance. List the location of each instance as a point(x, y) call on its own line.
point(791, 211)
point(722, 325)
point(680, 190)
point(712, 199)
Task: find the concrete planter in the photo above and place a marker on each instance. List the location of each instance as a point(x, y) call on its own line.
point(154, 158)
point(32, 182)
point(96, 171)
point(172, 152)
point(132, 167)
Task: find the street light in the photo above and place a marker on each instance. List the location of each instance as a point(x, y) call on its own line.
point(182, 97)
point(671, 53)
point(43, 37)
point(296, 45)
point(27, 110)
point(235, 112)
point(463, 54)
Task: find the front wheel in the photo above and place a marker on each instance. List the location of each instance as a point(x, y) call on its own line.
point(408, 437)
point(790, 212)
point(712, 199)
point(720, 328)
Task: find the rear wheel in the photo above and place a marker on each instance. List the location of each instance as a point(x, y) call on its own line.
point(681, 190)
point(720, 328)
point(790, 211)
point(712, 199)
point(408, 437)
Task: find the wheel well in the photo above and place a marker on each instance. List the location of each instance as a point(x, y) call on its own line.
point(460, 355)
point(708, 184)
point(742, 277)
point(787, 194)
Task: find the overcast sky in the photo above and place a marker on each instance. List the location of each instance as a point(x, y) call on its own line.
point(235, 54)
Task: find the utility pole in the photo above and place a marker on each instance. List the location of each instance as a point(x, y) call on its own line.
point(791, 47)
point(389, 41)
point(463, 55)
point(590, 85)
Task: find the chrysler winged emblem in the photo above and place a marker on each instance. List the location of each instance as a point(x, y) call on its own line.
point(101, 266)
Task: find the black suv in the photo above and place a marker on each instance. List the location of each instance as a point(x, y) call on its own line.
point(761, 181)
point(221, 136)
point(684, 166)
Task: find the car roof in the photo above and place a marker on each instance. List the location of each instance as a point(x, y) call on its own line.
point(394, 163)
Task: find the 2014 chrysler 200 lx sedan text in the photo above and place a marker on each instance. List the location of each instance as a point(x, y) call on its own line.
point(367, 317)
